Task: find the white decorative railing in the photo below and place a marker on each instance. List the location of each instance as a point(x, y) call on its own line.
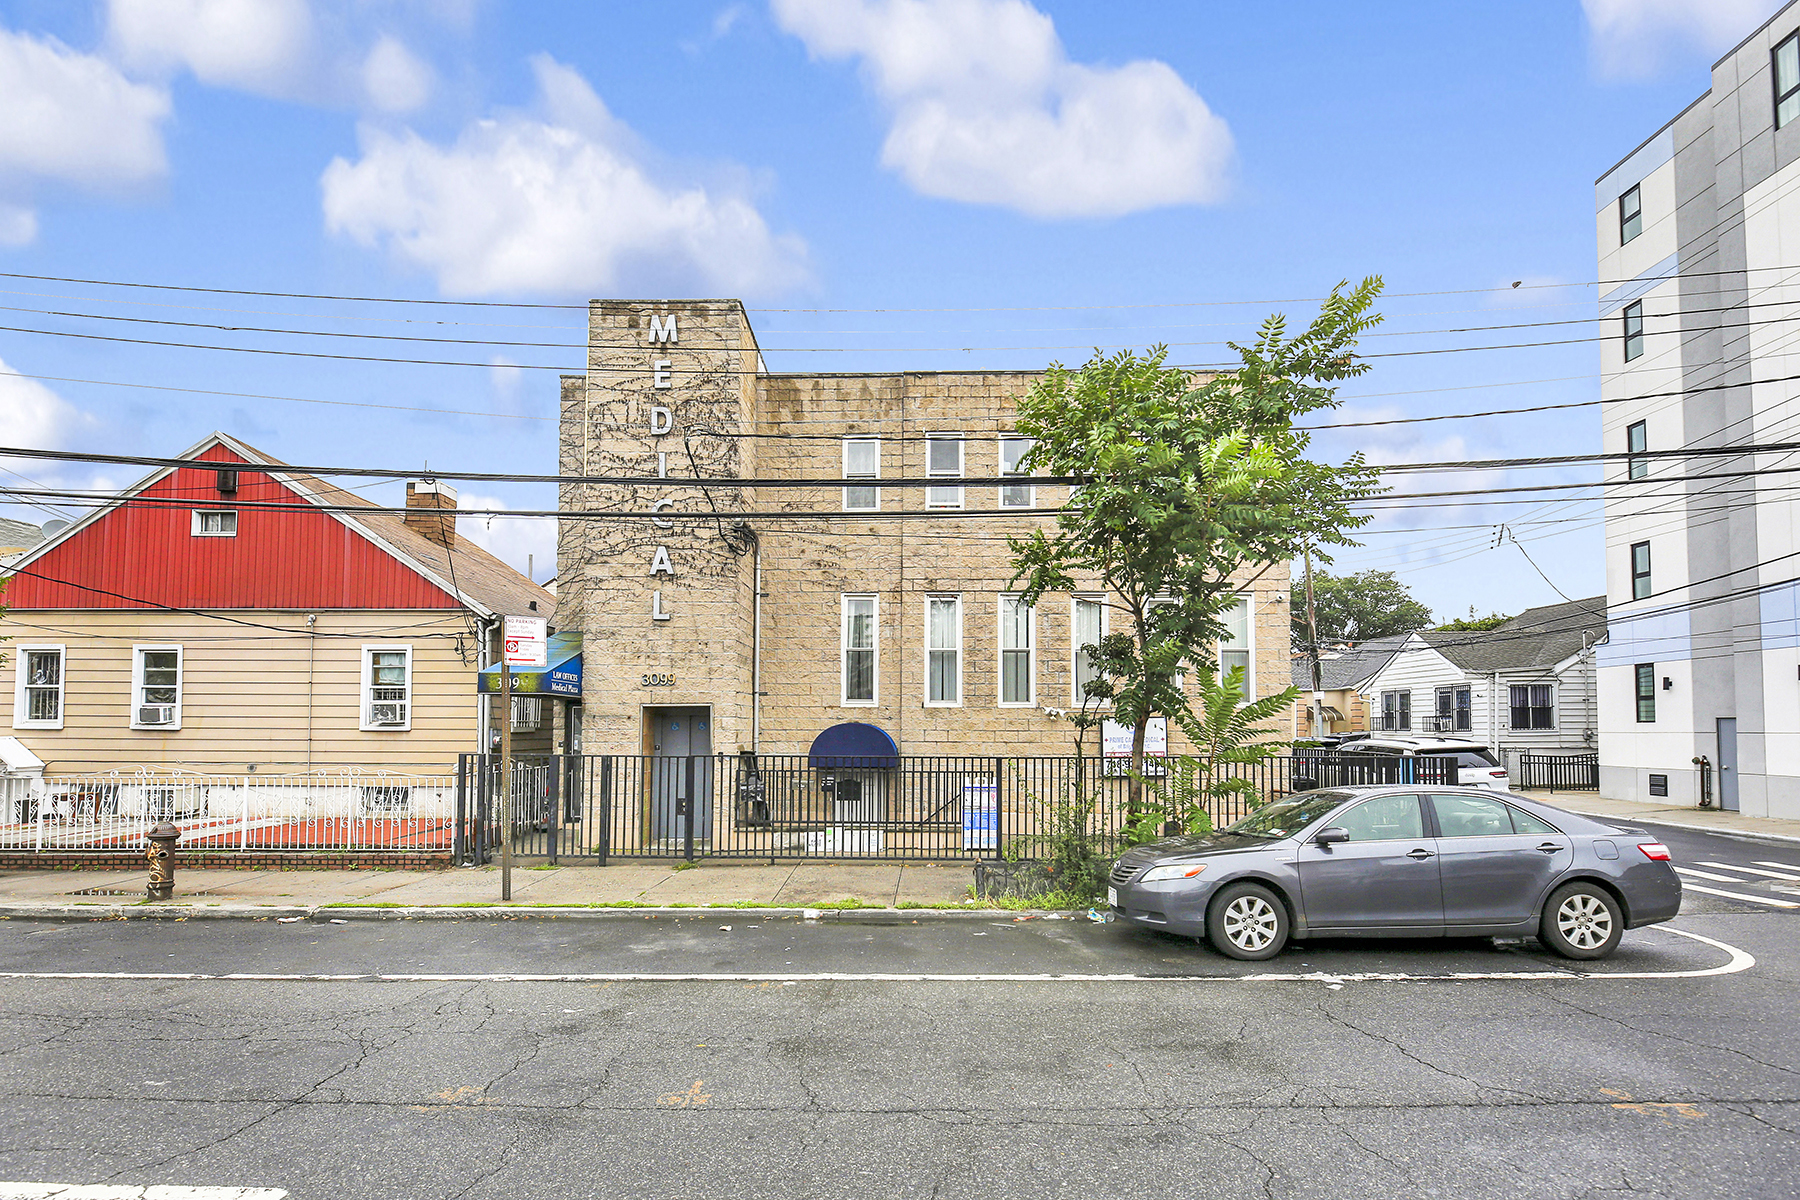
point(338, 810)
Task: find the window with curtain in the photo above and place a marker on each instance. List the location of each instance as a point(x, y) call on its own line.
point(1646, 692)
point(862, 460)
point(943, 650)
point(1016, 682)
point(944, 460)
point(858, 638)
point(1015, 495)
point(1533, 706)
point(1234, 648)
point(1089, 626)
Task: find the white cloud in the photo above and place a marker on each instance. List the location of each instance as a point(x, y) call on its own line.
point(562, 203)
point(394, 79)
point(516, 541)
point(987, 108)
point(33, 415)
point(1632, 38)
point(70, 118)
point(260, 46)
point(286, 49)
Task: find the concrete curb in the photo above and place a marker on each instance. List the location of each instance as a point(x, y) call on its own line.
point(863, 916)
point(1753, 835)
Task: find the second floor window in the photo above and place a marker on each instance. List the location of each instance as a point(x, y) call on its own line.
point(214, 522)
point(1637, 440)
point(1640, 570)
point(1631, 215)
point(1787, 80)
point(1015, 495)
point(862, 460)
point(1533, 706)
point(1646, 692)
point(156, 687)
point(38, 694)
point(944, 460)
point(1634, 330)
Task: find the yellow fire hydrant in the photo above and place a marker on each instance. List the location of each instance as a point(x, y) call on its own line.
point(161, 853)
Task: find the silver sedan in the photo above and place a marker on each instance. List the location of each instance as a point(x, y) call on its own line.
point(1401, 862)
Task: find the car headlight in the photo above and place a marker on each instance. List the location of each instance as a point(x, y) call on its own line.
point(1173, 871)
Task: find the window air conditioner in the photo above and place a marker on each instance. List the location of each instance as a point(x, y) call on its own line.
point(156, 714)
point(387, 714)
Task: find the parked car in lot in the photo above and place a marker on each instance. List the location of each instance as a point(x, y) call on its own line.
point(1475, 763)
point(1401, 862)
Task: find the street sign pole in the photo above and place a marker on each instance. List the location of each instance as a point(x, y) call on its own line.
point(506, 814)
point(524, 642)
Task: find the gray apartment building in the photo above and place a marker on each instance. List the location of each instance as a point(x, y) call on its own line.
point(1698, 232)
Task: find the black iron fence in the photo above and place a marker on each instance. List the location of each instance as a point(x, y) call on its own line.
point(772, 807)
point(1560, 772)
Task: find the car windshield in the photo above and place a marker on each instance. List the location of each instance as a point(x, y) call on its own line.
point(1288, 817)
point(1475, 758)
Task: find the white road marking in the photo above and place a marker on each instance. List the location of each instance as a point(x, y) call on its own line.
point(1788, 875)
point(1738, 960)
point(1768, 900)
point(113, 1191)
point(1711, 876)
point(1783, 866)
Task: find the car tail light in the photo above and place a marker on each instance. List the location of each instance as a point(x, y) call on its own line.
point(1498, 774)
point(1655, 850)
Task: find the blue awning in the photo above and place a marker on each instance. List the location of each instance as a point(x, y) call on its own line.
point(854, 745)
point(561, 675)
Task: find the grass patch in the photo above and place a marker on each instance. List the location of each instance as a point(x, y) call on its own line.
point(364, 904)
point(945, 905)
point(685, 866)
point(846, 902)
point(1048, 902)
point(546, 867)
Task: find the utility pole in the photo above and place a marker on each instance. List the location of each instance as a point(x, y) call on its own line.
point(1312, 650)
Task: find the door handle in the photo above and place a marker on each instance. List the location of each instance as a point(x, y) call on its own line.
point(1549, 847)
point(1419, 855)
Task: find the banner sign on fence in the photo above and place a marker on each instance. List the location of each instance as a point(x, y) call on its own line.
point(1115, 739)
point(526, 642)
point(981, 813)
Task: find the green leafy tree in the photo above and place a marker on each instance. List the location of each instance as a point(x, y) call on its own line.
point(1226, 733)
point(1186, 480)
point(1473, 623)
point(1355, 608)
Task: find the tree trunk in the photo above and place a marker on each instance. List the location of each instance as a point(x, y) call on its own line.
point(1134, 801)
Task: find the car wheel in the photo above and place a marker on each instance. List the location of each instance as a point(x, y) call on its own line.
point(1582, 920)
point(1247, 921)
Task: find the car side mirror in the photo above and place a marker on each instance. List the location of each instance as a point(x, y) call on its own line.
point(1331, 835)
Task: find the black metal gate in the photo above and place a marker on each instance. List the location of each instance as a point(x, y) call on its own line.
point(599, 806)
point(1560, 772)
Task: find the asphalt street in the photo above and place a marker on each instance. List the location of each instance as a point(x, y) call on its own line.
point(721, 1054)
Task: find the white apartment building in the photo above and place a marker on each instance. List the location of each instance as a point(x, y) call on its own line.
point(1699, 256)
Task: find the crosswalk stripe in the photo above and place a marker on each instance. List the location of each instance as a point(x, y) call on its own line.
point(1784, 875)
point(1783, 866)
point(1768, 900)
point(1710, 875)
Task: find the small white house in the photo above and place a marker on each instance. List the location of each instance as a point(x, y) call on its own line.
point(1525, 686)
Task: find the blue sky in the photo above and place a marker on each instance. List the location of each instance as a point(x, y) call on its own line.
point(1037, 178)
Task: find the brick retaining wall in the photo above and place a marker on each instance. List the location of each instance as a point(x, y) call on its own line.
point(226, 860)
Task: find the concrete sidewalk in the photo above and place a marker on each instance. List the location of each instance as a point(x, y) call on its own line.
point(796, 886)
point(1704, 820)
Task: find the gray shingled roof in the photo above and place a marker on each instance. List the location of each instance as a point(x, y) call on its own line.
point(1347, 668)
point(19, 534)
point(1537, 637)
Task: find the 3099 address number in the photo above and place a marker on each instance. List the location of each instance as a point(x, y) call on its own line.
point(659, 681)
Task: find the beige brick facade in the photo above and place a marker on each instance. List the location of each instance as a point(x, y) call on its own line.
point(726, 417)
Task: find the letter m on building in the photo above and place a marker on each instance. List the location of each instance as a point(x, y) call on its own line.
point(663, 330)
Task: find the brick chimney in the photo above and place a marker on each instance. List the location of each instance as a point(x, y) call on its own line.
point(426, 499)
